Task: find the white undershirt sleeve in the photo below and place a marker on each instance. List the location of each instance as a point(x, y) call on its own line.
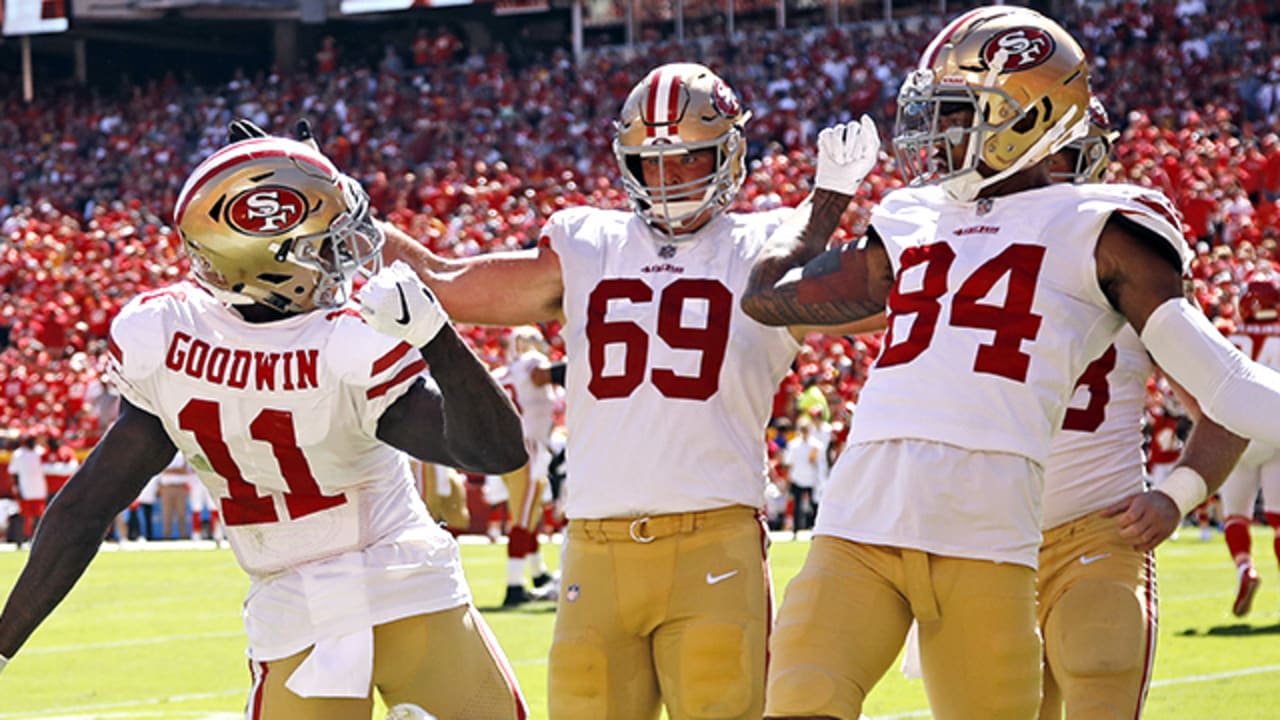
point(1234, 391)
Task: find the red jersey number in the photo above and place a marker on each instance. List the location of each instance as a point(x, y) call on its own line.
point(1094, 379)
point(1012, 322)
point(245, 506)
point(711, 341)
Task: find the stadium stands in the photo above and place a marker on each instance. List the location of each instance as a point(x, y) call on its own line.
point(473, 151)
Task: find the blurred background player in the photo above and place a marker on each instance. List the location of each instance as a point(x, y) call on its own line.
point(1258, 336)
point(174, 483)
point(206, 513)
point(297, 406)
point(665, 597)
point(445, 492)
point(527, 378)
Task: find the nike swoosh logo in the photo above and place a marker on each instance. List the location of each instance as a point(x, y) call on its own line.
point(1086, 560)
point(404, 308)
point(713, 579)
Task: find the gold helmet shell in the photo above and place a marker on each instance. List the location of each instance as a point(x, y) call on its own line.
point(1023, 76)
point(680, 108)
point(272, 221)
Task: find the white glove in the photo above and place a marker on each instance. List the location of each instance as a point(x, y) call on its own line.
point(396, 303)
point(846, 153)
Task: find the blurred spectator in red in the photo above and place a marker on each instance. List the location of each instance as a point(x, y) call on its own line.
point(27, 467)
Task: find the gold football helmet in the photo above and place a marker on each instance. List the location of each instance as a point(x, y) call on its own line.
point(680, 108)
point(1026, 81)
point(1090, 154)
point(272, 221)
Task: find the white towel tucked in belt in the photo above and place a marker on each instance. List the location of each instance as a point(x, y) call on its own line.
point(338, 666)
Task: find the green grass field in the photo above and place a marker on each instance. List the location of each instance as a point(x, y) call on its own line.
point(156, 634)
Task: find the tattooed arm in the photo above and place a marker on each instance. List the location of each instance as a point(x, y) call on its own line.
point(796, 281)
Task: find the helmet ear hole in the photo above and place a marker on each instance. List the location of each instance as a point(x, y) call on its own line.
point(1028, 122)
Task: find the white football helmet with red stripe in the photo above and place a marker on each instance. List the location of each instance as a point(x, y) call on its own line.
point(679, 108)
point(272, 221)
point(1026, 81)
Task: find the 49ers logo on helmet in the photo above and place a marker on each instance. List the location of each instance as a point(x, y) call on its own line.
point(267, 210)
point(1026, 47)
point(725, 101)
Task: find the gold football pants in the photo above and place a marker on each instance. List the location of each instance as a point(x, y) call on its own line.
point(447, 663)
point(1098, 616)
point(845, 616)
point(665, 610)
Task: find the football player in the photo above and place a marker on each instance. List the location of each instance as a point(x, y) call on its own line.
point(1000, 288)
point(293, 403)
point(664, 591)
point(527, 378)
point(1096, 581)
point(1096, 584)
point(445, 491)
point(1258, 336)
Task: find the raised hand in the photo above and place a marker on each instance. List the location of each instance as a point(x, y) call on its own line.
point(396, 303)
point(846, 153)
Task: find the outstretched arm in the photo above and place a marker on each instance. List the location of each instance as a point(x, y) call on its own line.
point(501, 288)
point(134, 450)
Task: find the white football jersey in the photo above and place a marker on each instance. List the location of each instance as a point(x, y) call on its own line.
point(535, 403)
point(1096, 458)
point(670, 384)
point(279, 421)
point(994, 313)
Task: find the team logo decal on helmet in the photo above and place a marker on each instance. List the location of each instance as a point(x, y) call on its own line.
point(1024, 48)
point(998, 90)
point(266, 211)
point(725, 102)
point(272, 221)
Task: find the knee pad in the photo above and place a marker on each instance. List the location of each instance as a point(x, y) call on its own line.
point(800, 690)
point(718, 677)
point(1096, 629)
point(577, 678)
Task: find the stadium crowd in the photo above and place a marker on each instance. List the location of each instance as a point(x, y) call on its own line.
point(469, 154)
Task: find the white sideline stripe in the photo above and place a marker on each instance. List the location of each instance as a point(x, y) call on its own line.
point(130, 643)
point(95, 711)
point(1158, 683)
point(1217, 676)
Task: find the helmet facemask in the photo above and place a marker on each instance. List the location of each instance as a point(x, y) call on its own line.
point(1023, 78)
point(672, 207)
point(351, 246)
point(676, 110)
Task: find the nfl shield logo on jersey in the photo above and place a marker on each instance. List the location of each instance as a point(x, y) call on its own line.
point(572, 593)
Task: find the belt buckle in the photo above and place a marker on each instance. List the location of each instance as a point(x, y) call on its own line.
point(637, 530)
